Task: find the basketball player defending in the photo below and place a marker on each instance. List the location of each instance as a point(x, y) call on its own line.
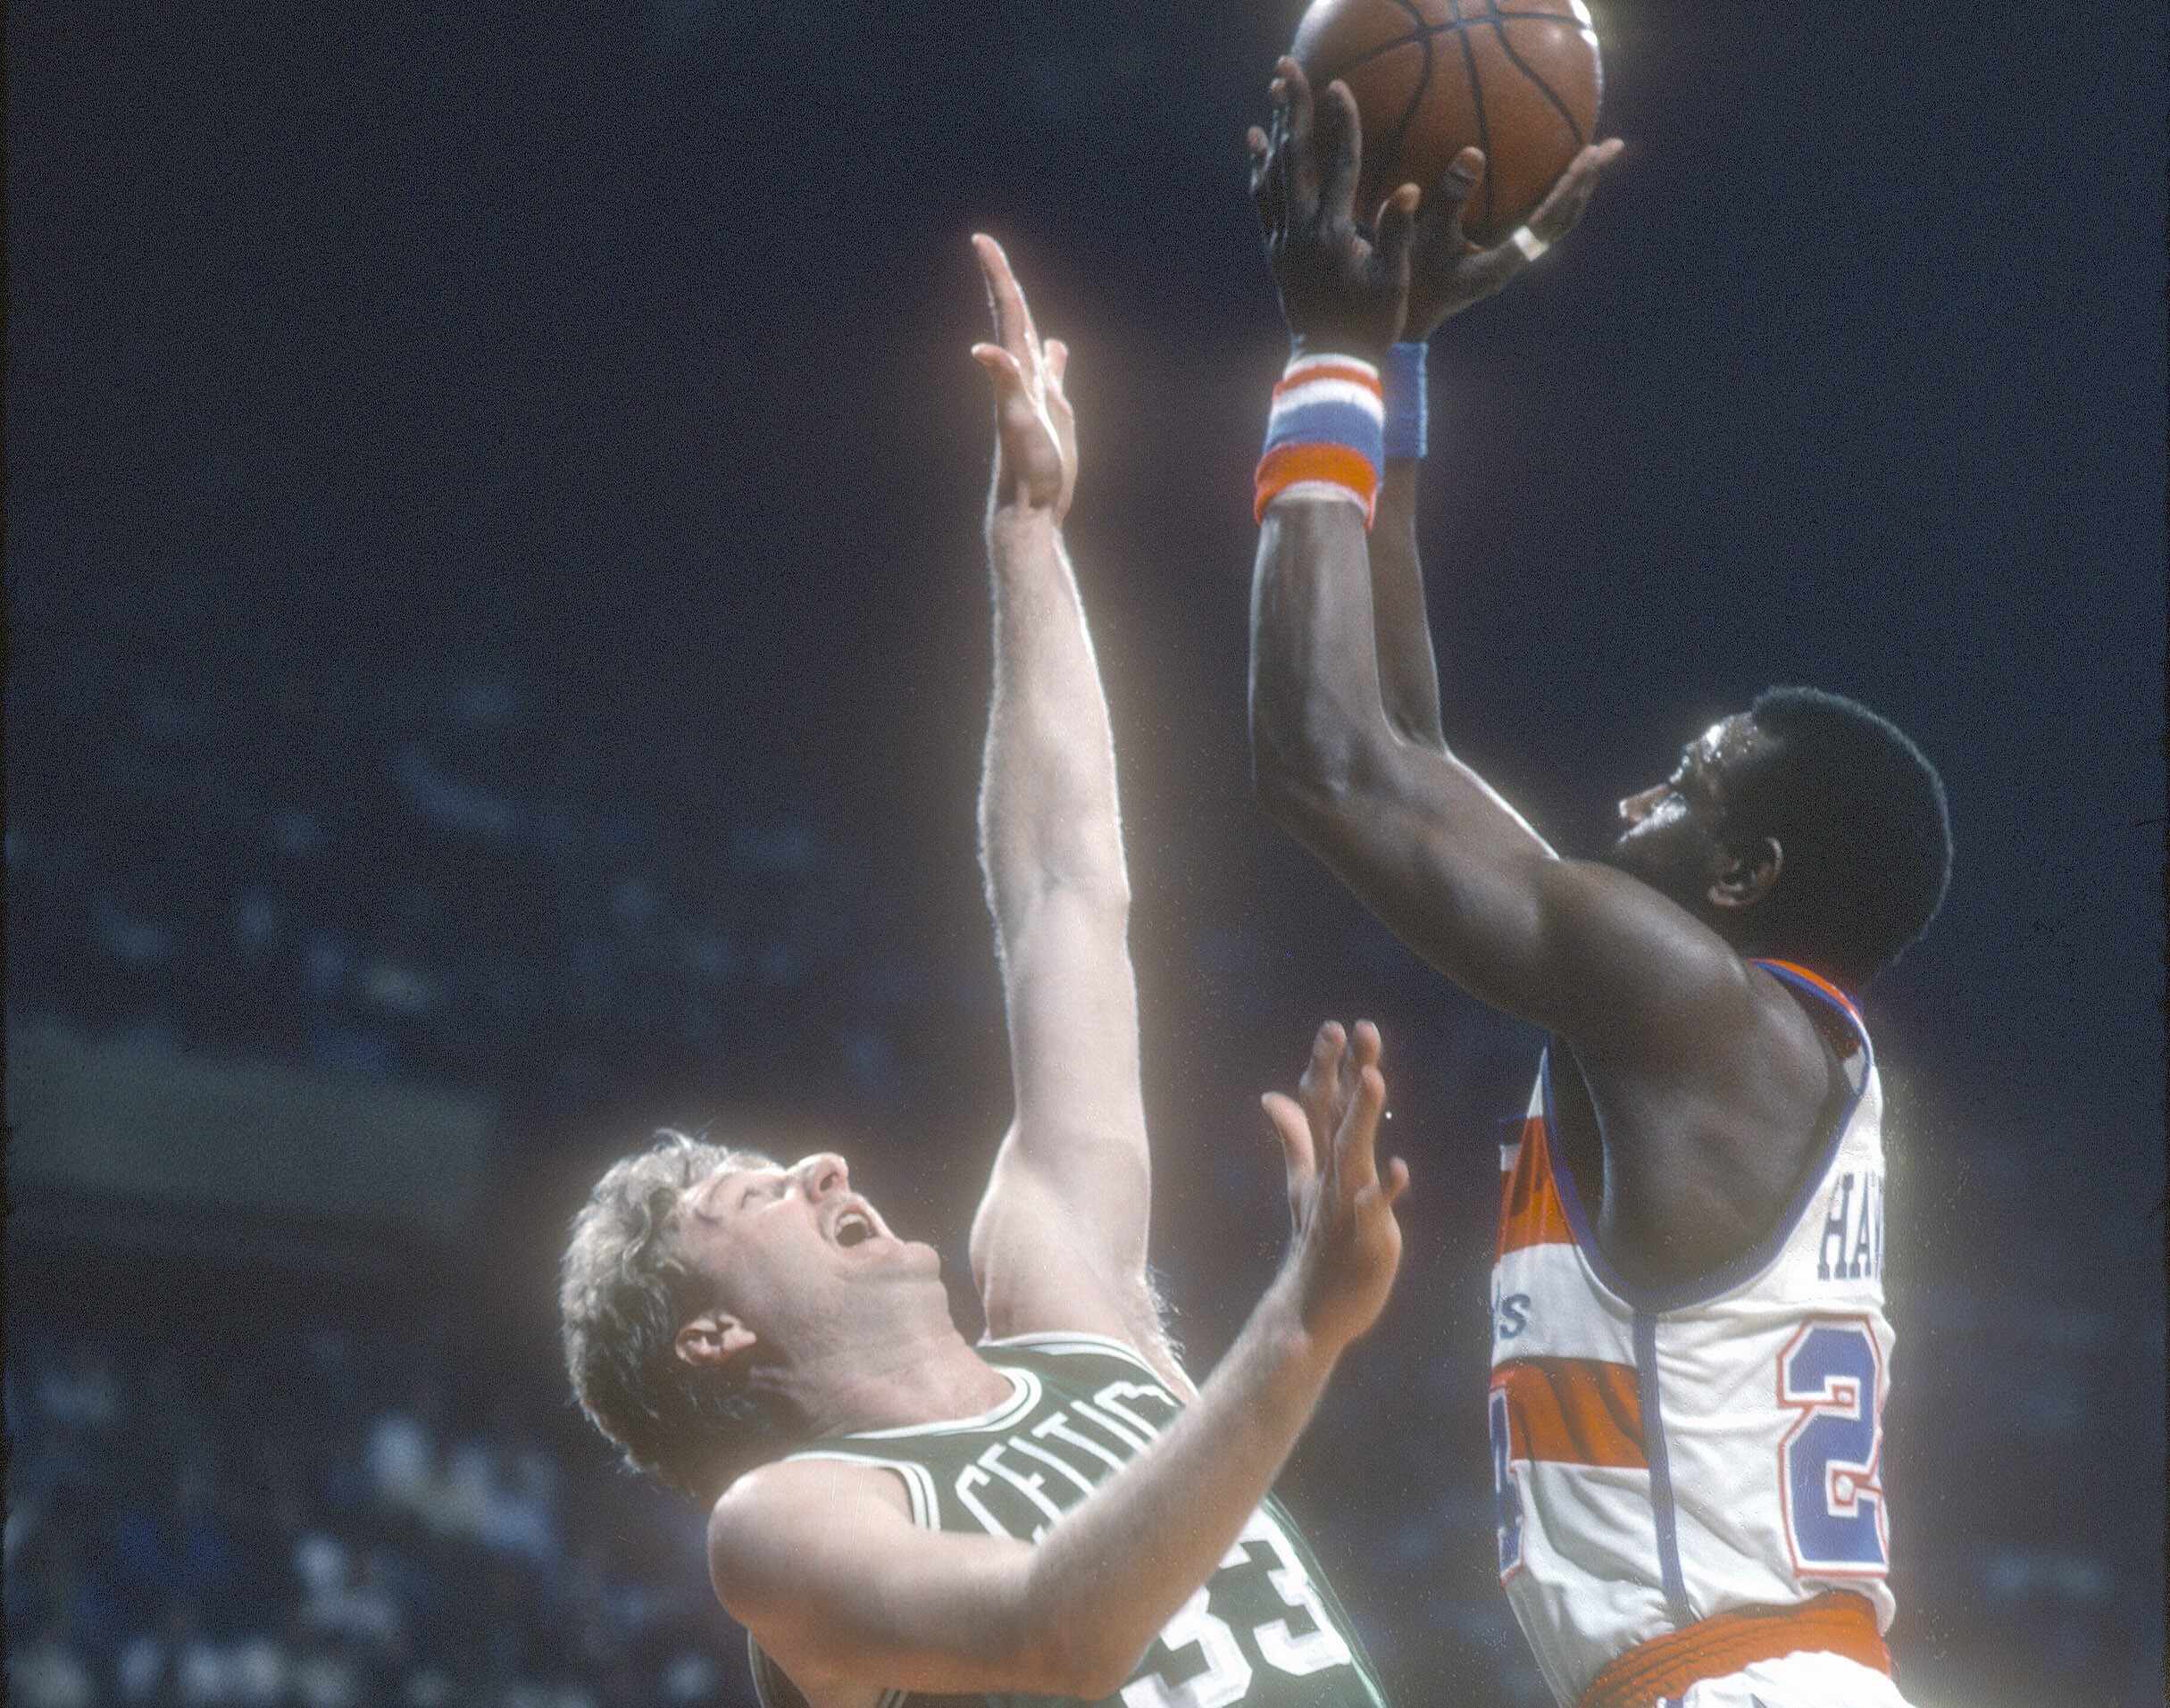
point(1690, 1348)
point(899, 1516)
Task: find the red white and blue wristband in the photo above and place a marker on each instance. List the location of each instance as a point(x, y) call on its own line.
point(1326, 436)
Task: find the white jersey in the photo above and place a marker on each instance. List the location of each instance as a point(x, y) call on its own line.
point(1665, 1454)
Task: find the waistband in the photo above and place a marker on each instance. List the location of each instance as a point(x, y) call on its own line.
point(1836, 1622)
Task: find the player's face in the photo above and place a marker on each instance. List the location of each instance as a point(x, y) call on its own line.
point(783, 1244)
point(1672, 837)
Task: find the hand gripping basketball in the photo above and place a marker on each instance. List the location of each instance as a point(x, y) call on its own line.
point(1340, 290)
point(1448, 272)
point(1345, 1245)
point(1036, 435)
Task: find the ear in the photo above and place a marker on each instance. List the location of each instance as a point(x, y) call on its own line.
point(712, 1340)
point(1747, 877)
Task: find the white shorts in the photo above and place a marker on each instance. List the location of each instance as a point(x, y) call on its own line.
point(1797, 1681)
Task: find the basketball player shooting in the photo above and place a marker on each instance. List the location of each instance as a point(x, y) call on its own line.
point(1690, 1347)
point(899, 1515)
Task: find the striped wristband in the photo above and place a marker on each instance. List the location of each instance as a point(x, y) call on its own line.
point(1326, 436)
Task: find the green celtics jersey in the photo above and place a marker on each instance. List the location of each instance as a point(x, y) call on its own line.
point(1265, 1631)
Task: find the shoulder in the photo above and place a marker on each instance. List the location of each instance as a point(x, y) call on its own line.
point(1609, 916)
point(1657, 989)
point(759, 1527)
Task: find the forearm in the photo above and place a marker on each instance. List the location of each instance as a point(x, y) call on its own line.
point(1047, 805)
point(850, 1590)
point(1408, 673)
point(1117, 1567)
point(1060, 1237)
point(1424, 842)
point(1316, 705)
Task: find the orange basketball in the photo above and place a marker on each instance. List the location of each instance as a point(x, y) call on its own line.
point(1518, 79)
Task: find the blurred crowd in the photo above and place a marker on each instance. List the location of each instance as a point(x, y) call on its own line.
point(306, 1522)
point(444, 878)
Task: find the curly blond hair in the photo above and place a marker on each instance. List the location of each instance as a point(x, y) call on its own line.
point(624, 1291)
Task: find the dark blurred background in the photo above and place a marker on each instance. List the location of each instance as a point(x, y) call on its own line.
point(498, 661)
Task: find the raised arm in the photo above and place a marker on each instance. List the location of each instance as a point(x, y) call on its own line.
point(1060, 1238)
point(1345, 748)
point(826, 1569)
point(1420, 837)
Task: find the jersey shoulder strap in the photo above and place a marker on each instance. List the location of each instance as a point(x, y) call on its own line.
point(771, 1687)
point(1070, 1357)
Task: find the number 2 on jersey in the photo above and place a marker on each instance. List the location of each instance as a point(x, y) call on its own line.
point(1832, 1373)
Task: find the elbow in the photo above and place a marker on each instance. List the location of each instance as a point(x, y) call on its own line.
point(1086, 1664)
point(1063, 1643)
point(1021, 902)
point(1283, 786)
point(1302, 779)
point(1097, 1679)
point(1072, 858)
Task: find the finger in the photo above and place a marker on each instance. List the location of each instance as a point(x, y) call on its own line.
point(1299, 160)
point(1345, 1078)
point(1321, 1074)
point(1295, 92)
point(1341, 142)
point(1005, 299)
point(1056, 355)
point(1386, 1191)
point(1016, 408)
point(995, 270)
point(1268, 180)
point(1557, 215)
point(1353, 1157)
point(1295, 1134)
point(1281, 171)
point(1002, 368)
point(1363, 1052)
point(1318, 1091)
point(1365, 1045)
point(1397, 230)
point(1444, 207)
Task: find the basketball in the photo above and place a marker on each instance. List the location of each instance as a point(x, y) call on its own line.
point(1518, 79)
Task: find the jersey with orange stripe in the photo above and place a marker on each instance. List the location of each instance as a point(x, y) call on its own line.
point(1664, 1455)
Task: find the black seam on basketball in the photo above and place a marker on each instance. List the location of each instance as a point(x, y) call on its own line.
point(1417, 91)
point(1484, 132)
point(1543, 88)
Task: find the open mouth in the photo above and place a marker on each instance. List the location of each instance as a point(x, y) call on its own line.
point(854, 1228)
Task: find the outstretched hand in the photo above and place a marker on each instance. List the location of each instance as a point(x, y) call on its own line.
point(1036, 435)
point(1345, 1245)
point(1447, 271)
point(1339, 291)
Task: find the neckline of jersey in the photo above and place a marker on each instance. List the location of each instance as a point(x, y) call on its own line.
point(1024, 1395)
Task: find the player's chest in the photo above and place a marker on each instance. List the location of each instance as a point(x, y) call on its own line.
point(1017, 1482)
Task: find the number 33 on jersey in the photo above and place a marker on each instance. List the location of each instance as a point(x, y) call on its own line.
point(1264, 1631)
